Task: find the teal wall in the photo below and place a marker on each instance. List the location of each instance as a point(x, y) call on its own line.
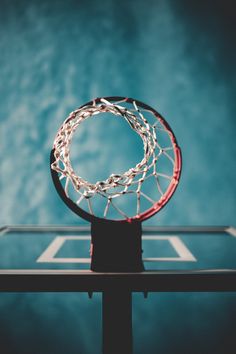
point(177, 56)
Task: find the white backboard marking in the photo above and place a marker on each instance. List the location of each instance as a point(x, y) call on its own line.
point(184, 254)
point(231, 231)
point(49, 255)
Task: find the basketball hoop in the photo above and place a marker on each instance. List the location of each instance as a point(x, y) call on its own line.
point(161, 165)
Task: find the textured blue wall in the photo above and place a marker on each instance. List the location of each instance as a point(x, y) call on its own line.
point(177, 56)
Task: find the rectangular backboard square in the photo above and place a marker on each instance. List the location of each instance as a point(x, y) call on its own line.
point(50, 255)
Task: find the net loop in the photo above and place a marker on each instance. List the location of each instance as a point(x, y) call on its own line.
point(131, 181)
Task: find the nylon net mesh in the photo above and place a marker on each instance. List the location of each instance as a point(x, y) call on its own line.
point(160, 164)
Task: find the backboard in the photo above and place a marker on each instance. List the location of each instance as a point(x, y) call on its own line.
point(56, 258)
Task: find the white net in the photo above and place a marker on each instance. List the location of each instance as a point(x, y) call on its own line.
point(160, 164)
